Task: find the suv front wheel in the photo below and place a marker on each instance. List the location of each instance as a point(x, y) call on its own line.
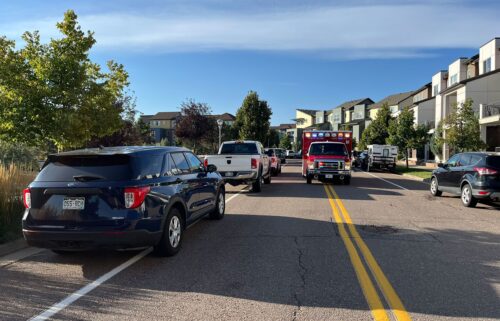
point(435, 187)
point(467, 199)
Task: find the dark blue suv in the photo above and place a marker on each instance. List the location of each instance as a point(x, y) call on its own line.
point(120, 197)
point(474, 176)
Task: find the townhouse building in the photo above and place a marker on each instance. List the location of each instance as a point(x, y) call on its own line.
point(351, 115)
point(476, 78)
point(396, 103)
point(227, 118)
point(162, 125)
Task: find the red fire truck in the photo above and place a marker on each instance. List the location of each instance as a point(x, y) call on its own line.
point(326, 155)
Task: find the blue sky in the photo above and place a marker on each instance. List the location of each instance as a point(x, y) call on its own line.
point(295, 55)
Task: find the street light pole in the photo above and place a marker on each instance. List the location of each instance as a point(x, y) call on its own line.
point(220, 122)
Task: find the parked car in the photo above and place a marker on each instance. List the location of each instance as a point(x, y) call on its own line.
point(473, 176)
point(290, 154)
point(120, 197)
point(242, 162)
point(275, 160)
point(360, 158)
point(281, 154)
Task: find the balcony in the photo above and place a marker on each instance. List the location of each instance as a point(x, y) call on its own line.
point(489, 114)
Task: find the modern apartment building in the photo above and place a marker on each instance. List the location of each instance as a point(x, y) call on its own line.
point(351, 115)
point(162, 125)
point(395, 102)
point(305, 118)
point(227, 118)
point(476, 78)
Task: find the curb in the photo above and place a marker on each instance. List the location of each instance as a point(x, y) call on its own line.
point(10, 247)
point(416, 178)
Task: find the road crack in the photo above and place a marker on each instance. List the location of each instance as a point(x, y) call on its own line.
point(300, 292)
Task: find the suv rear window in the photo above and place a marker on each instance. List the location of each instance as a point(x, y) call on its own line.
point(100, 167)
point(239, 148)
point(328, 149)
point(493, 161)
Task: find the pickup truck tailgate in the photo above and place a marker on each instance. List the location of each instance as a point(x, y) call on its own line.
point(233, 163)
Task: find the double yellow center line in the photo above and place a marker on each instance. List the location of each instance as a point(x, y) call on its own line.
point(342, 219)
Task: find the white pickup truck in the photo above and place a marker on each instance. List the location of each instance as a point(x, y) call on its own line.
point(242, 162)
point(380, 156)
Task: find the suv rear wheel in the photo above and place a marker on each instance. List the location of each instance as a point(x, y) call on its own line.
point(435, 187)
point(220, 206)
point(171, 239)
point(467, 199)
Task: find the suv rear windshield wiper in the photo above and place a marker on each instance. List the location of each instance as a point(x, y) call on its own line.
point(85, 178)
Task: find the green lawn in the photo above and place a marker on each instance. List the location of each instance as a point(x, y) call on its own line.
point(419, 172)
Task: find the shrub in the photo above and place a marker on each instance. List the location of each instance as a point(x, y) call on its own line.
point(13, 179)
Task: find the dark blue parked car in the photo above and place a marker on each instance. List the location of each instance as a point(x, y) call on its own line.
point(120, 197)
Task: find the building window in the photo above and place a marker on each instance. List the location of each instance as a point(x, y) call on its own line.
point(453, 79)
point(336, 118)
point(435, 90)
point(487, 65)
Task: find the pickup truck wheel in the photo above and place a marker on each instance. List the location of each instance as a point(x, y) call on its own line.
point(220, 206)
point(257, 185)
point(347, 180)
point(267, 180)
point(171, 239)
point(309, 179)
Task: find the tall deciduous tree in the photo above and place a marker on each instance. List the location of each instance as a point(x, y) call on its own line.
point(285, 142)
point(195, 126)
point(378, 130)
point(404, 134)
point(54, 92)
point(252, 118)
point(461, 128)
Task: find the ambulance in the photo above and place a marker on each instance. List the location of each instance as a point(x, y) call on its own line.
point(326, 155)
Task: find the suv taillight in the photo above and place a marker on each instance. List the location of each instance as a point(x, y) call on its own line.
point(205, 162)
point(253, 163)
point(134, 196)
point(27, 198)
point(485, 171)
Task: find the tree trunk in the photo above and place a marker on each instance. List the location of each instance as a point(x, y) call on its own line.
point(407, 158)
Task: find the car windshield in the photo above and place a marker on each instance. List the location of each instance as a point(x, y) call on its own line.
point(269, 152)
point(239, 148)
point(328, 149)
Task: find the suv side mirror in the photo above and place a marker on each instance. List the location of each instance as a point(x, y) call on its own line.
point(440, 165)
point(211, 168)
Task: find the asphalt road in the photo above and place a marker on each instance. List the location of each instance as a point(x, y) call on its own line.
point(368, 251)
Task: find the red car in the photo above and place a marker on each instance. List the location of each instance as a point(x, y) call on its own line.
point(275, 160)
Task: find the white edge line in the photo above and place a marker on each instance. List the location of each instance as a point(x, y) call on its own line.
point(89, 287)
point(386, 181)
point(56, 308)
point(19, 255)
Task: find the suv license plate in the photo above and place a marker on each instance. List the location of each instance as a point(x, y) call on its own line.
point(328, 176)
point(74, 203)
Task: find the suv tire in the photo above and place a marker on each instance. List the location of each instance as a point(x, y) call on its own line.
point(171, 239)
point(220, 206)
point(435, 187)
point(466, 196)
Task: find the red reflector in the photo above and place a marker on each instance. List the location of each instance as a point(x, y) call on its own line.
point(253, 162)
point(27, 198)
point(483, 192)
point(485, 171)
point(135, 196)
point(321, 164)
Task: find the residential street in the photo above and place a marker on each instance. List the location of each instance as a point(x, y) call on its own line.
point(290, 253)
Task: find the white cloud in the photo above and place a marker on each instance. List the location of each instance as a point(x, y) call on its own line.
point(356, 32)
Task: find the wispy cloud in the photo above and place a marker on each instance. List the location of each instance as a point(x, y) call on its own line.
point(342, 32)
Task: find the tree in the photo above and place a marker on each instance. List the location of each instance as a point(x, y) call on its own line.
point(252, 118)
point(195, 125)
point(437, 141)
point(54, 92)
point(461, 128)
point(273, 138)
point(378, 130)
point(404, 134)
point(285, 142)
